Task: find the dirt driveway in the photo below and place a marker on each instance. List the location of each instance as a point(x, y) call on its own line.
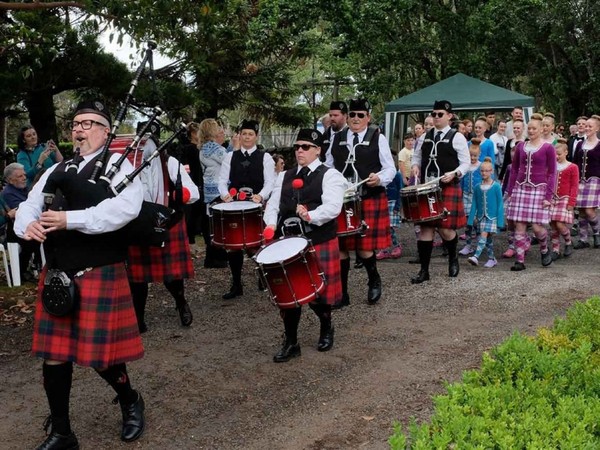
point(214, 386)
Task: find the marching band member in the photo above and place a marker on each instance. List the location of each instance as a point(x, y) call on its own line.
point(321, 200)
point(246, 167)
point(453, 161)
point(374, 163)
point(101, 330)
point(172, 262)
point(338, 115)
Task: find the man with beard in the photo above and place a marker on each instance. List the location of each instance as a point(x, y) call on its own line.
point(338, 115)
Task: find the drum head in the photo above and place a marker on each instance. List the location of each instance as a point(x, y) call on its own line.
point(281, 250)
point(236, 206)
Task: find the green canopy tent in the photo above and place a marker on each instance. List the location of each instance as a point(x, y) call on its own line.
point(464, 92)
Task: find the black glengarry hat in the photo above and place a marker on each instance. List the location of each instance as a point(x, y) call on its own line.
point(360, 104)
point(339, 106)
point(93, 107)
point(444, 105)
point(310, 135)
point(249, 125)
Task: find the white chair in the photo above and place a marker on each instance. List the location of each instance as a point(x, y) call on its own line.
point(5, 260)
point(13, 254)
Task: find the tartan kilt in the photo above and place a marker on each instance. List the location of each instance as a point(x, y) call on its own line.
point(394, 215)
point(526, 204)
point(589, 193)
point(559, 211)
point(101, 332)
point(378, 236)
point(159, 264)
point(487, 225)
point(452, 198)
point(467, 202)
point(328, 254)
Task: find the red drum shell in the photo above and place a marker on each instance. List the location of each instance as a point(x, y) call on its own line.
point(237, 225)
point(349, 221)
point(291, 271)
point(422, 203)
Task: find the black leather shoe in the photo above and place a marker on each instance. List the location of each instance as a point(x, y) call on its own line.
point(374, 292)
point(326, 340)
point(581, 244)
point(142, 327)
point(235, 291)
point(422, 276)
point(453, 268)
point(133, 419)
point(416, 260)
point(547, 258)
point(517, 267)
point(597, 241)
point(287, 352)
point(185, 314)
point(345, 302)
point(57, 441)
point(568, 250)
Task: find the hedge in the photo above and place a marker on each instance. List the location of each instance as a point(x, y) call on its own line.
point(540, 392)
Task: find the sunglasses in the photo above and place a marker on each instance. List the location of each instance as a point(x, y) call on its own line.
point(305, 147)
point(438, 115)
point(357, 114)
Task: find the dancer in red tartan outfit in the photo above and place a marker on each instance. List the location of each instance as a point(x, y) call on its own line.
point(374, 163)
point(101, 331)
point(321, 199)
point(172, 263)
point(448, 150)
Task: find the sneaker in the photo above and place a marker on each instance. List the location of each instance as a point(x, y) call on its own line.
point(465, 251)
point(490, 263)
point(509, 253)
point(555, 255)
point(463, 237)
point(383, 254)
point(396, 252)
point(473, 260)
point(581, 244)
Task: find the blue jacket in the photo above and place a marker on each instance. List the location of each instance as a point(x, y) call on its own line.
point(488, 149)
point(470, 180)
point(393, 189)
point(488, 204)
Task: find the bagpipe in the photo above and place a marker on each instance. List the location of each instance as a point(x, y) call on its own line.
point(154, 220)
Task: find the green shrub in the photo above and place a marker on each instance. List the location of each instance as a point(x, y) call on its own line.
point(539, 392)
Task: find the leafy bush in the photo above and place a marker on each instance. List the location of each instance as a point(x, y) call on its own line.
point(539, 392)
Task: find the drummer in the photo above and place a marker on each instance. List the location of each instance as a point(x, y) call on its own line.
point(245, 167)
point(317, 203)
point(375, 166)
point(451, 163)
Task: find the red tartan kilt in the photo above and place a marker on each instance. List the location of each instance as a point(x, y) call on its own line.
point(328, 254)
point(452, 198)
point(102, 331)
point(376, 215)
point(158, 264)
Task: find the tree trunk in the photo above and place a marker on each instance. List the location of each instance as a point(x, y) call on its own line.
point(40, 105)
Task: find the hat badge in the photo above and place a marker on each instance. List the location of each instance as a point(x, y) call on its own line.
point(99, 106)
point(314, 135)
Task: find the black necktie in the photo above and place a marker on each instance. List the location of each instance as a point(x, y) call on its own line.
point(437, 137)
point(355, 141)
point(304, 172)
point(246, 154)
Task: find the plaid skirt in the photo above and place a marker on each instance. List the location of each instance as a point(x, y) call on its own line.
point(453, 202)
point(159, 264)
point(589, 194)
point(328, 254)
point(467, 202)
point(559, 211)
point(101, 332)
point(394, 215)
point(375, 214)
point(526, 204)
point(487, 225)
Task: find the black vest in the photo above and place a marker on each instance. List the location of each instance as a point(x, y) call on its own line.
point(310, 196)
point(247, 172)
point(447, 157)
point(366, 156)
point(70, 250)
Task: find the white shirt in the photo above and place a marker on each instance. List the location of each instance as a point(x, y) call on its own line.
point(460, 145)
point(109, 215)
point(268, 173)
point(499, 141)
point(332, 199)
point(388, 168)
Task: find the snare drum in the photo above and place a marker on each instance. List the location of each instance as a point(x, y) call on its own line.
point(290, 269)
point(236, 225)
point(349, 221)
point(422, 202)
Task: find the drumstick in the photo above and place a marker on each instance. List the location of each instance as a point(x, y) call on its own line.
point(353, 188)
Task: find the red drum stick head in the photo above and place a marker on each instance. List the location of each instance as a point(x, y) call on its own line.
point(268, 233)
point(233, 192)
point(242, 196)
point(298, 183)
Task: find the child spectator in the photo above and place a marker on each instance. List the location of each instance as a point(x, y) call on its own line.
point(393, 195)
point(468, 183)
